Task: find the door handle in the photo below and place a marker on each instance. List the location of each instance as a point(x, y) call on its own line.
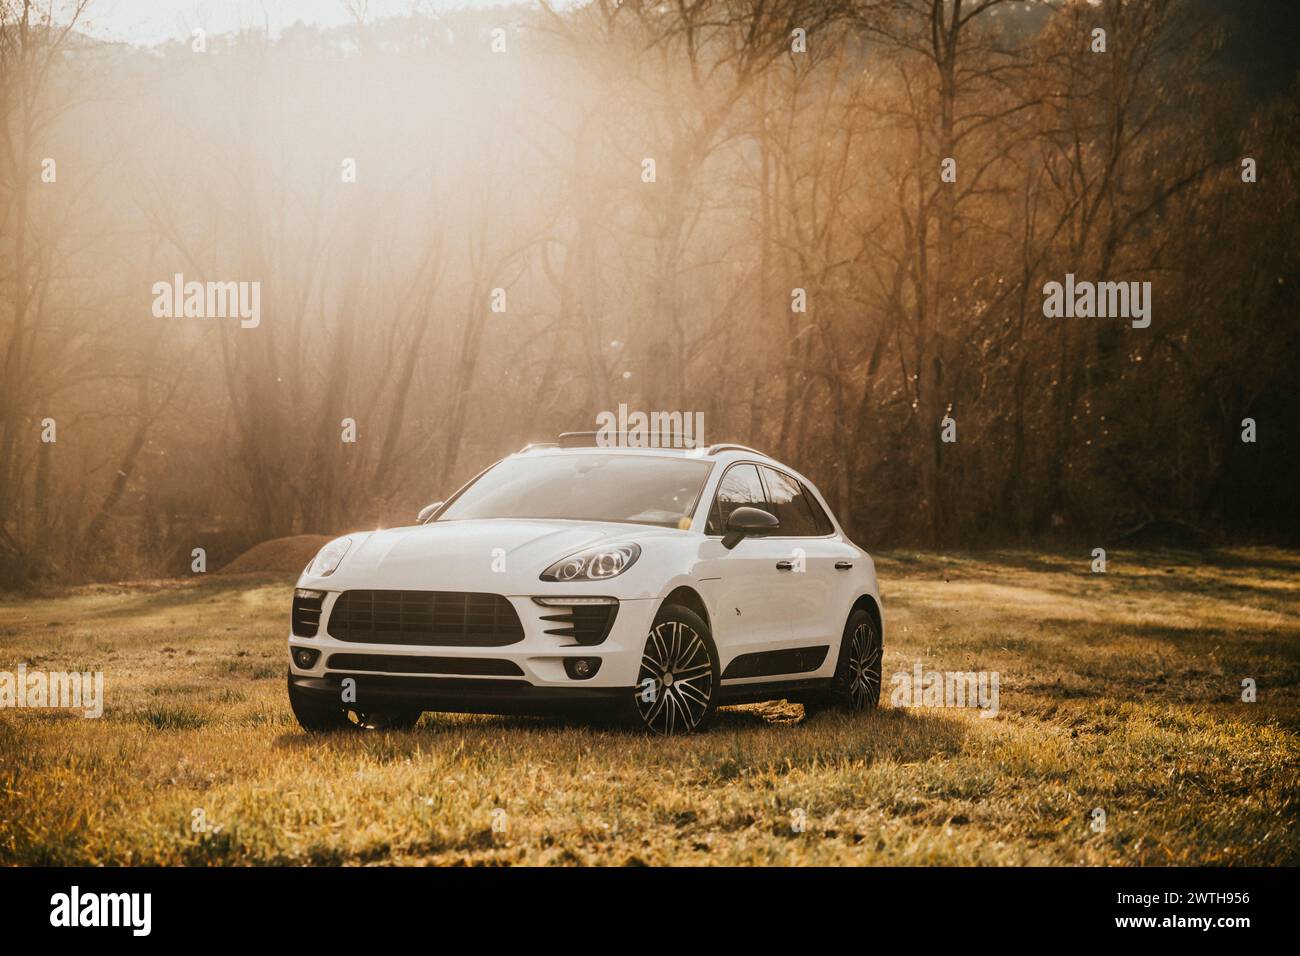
point(784, 565)
point(843, 565)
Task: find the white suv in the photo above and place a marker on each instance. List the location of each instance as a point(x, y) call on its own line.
point(649, 583)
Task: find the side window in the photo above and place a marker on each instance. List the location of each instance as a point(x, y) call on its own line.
point(790, 505)
point(740, 487)
point(820, 517)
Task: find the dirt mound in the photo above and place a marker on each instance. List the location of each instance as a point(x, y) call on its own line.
point(288, 555)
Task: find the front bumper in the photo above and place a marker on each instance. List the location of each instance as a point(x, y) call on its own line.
point(525, 677)
point(465, 695)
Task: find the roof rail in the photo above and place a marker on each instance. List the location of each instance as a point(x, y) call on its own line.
point(535, 444)
point(619, 440)
point(728, 446)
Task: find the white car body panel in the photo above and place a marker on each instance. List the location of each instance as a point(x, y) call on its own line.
point(752, 607)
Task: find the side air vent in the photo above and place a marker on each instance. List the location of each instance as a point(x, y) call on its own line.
point(586, 620)
point(306, 612)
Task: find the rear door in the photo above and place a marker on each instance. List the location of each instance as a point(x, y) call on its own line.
point(819, 585)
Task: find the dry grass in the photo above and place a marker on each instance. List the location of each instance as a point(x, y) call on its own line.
point(1119, 691)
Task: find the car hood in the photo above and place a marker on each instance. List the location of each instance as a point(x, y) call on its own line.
point(501, 555)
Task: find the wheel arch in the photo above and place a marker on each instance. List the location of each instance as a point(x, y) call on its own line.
point(689, 598)
point(869, 604)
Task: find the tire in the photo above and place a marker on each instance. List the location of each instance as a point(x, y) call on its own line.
point(677, 685)
point(856, 684)
point(322, 717)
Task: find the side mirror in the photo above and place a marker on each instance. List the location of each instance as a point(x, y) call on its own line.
point(428, 511)
point(746, 521)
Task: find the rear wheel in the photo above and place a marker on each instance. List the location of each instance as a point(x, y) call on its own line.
point(677, 687)
point(856, 684)
point(317, 716)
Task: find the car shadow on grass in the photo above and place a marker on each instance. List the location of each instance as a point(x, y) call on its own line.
point(767, 734)
point(438, 726)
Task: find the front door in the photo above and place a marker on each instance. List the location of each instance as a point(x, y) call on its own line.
point(750, 594)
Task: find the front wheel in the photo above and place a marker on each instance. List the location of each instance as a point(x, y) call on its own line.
point(677, 686)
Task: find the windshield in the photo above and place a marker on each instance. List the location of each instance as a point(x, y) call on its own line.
point(642, 489)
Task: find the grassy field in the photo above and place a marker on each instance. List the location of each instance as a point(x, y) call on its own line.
point(1119, 691)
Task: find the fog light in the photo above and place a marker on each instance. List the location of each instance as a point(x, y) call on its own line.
point(305, 657)
point(581, 668)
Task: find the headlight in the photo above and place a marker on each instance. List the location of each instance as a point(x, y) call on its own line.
point(327, 560)
point(594, 564)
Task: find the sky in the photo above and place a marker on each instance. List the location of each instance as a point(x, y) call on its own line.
point(146, 22)
point(1260, 41)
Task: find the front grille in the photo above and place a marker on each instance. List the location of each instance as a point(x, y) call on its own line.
point(401, 664)
point(587, 624)
point(306, 612)
point(432, 618)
